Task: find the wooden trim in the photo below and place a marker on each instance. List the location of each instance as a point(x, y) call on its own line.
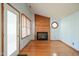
point(68, 45)
point(42, 16)
point(2, 7)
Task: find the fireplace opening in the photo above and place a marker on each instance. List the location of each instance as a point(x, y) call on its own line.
point(42, 35)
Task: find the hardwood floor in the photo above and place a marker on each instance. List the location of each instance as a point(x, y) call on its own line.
point(48, 48)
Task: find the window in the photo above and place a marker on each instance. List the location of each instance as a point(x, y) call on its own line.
point(26, 26)
point(11, 32)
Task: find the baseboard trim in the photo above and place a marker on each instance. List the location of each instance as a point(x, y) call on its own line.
point(50, 40)
point(68, 46)
point(26, 45)
point(23, 48)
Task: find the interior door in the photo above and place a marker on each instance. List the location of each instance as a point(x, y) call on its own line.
point(11, 30)
point(0, 33)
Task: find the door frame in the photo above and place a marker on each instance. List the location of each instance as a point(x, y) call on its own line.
point(3, 26)
point(1, 29)
point(2, 7)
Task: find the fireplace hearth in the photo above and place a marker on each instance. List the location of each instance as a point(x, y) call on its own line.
point(42, 35)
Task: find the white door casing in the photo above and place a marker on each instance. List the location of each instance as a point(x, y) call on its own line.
point(11, 31)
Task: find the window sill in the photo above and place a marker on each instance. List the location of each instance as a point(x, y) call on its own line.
point(26, 36)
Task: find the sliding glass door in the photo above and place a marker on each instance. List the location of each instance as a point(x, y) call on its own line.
point(11, 30)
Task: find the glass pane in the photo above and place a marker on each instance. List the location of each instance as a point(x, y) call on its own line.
point(11, 32)
point(25, 26)
point(24, 34)
point(28, 27)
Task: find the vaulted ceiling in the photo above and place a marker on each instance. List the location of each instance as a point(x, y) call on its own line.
point(54, 9)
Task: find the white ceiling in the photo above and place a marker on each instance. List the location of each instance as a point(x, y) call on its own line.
point(54, 9)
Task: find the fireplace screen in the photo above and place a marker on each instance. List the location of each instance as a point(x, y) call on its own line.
point(42, 35)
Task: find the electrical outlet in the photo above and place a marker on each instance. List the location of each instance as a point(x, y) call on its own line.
point(73, 43)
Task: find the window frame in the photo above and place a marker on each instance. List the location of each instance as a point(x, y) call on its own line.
point(22, 14)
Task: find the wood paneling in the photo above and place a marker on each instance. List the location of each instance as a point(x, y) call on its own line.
point(48, 48)
point(2, 29)
point(42, 24)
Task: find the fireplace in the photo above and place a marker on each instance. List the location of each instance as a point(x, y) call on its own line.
point(42, 35)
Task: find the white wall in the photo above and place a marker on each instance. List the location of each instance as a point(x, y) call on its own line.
point(23, 8)
point(0, 29)
point(55, 33)
point(70, 30)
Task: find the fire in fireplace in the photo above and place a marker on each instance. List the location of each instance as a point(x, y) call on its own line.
point(42, 35)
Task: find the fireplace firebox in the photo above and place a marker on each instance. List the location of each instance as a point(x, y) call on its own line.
point(42, 35)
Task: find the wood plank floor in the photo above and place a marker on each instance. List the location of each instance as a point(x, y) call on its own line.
point(48, 48)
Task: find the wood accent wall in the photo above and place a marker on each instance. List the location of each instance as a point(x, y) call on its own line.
point(42, 24)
